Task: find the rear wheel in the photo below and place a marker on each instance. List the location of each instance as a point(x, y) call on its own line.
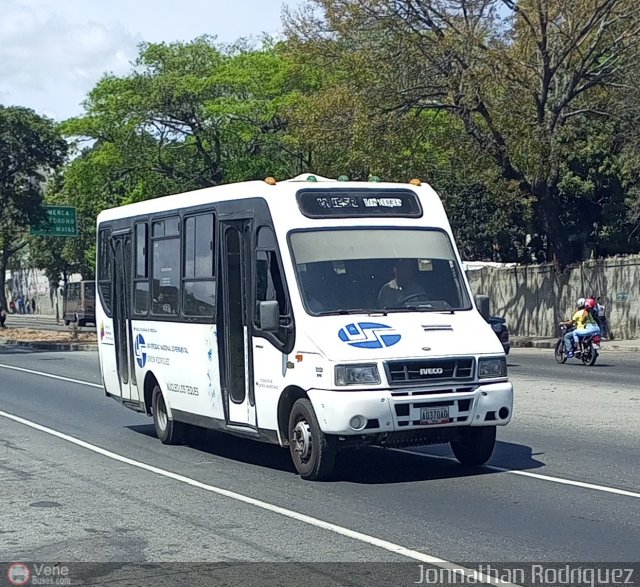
point(168, 430)
point(590, 356)
point(312, 451)
point(560, 355)
point(475, 445)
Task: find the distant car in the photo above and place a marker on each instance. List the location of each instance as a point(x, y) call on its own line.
point(501, 329)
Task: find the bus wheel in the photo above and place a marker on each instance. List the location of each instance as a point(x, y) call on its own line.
point(312, 451)
point(475, 445)
point(168, 430)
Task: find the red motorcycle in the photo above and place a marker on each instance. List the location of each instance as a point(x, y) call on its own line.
point(587, 351)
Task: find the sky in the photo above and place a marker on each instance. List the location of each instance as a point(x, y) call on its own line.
point(52, 52)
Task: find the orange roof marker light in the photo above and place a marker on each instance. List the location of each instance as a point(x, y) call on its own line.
point(270, 180)
point(415, 181)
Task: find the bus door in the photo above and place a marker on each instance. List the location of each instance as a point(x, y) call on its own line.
point(124, 344)
point(234, 320)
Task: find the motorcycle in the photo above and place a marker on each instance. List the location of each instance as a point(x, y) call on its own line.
point(587, 351)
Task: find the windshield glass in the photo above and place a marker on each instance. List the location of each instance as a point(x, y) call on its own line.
point(375, 269)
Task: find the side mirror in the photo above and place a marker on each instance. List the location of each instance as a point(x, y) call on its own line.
point(269, 312)
point(484, 305)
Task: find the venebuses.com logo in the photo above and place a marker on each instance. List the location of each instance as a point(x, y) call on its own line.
point(18, 574)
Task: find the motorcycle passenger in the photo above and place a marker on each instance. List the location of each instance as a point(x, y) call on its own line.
point(579, 320)
point(586, 324)
point(592, 325)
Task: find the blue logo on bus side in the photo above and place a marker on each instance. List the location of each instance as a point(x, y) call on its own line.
point(368, 335)
point(140, 349)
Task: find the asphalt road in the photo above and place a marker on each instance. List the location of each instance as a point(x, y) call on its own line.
point(563, 485)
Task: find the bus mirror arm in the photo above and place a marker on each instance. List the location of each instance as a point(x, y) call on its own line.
point(269, 316)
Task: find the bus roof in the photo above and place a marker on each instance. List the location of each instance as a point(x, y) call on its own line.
point(272, 192)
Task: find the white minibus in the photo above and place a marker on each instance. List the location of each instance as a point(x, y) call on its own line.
point(312, 313)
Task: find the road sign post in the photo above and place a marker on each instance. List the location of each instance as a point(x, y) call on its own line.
point(60, 221)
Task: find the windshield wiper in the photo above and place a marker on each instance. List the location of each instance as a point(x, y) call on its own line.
point(344, 312)
point(438, 306)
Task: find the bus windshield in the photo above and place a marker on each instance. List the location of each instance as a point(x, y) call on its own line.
point(344, 271)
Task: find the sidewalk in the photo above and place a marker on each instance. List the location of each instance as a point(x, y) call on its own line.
point(41, 322)
point(549, 343)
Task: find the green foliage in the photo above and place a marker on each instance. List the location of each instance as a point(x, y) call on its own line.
point(522, 77)
point(31, 147)
point(520, 113)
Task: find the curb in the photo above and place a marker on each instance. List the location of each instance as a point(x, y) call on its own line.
point(50, 346)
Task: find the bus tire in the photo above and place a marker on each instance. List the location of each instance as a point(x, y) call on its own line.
point(475, 445)
point(312, 451)
point(167, 429)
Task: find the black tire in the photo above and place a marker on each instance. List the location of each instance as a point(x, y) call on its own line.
point(312, 451)
point(561, 356)
point(592, 357)
point(475, 445)
point(167, 430)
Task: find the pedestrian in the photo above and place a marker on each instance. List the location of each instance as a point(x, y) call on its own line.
point(27, 306)
point(3, 317)
point(20, 305)
point(33, 305)
point(602, 318)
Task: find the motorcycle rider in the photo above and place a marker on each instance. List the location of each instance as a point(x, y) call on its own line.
point(578, 319)
point(592, 324)
point(586, 324)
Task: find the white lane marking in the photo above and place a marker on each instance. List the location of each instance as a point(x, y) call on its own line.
point(51, 376)
point(359, 536)
point(549, 478)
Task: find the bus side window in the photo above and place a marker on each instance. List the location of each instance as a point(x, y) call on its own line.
point(268, 279)
point(199, 284)
point(104, 269)
point(165, 291)
point(141, 275)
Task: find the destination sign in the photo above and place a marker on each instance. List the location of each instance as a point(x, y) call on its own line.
point(327, 203)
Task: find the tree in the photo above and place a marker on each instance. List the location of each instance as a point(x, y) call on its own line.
point(189, 116)
point(31, 147)
point(520, 76)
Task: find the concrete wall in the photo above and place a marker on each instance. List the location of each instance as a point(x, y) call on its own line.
point(33, 283)
point(534, 298)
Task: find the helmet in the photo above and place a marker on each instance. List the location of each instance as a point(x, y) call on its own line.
point(590, 304)
point(580, 303)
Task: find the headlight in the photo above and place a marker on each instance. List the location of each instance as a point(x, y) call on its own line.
point(357, 374)
point(492, 368)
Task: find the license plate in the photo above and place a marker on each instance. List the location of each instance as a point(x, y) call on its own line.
point(434, 415)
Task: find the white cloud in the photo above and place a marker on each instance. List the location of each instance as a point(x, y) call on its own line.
point(52, 52)
point(48, 63)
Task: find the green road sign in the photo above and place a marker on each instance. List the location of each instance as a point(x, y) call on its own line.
point(61, 221)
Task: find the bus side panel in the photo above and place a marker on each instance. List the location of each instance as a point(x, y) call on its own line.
point(183, 358)
point(107, 350)
point(269, 370)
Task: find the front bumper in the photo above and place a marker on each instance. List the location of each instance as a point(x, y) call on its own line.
point(488, 404)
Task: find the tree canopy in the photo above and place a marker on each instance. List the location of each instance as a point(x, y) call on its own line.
point(522, 114)
point(31, 148)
